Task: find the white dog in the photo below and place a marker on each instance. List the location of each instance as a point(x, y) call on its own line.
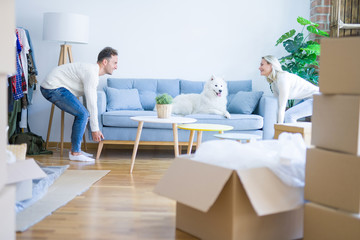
point(211, 100)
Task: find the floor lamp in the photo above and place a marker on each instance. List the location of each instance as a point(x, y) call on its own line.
point(66, 28)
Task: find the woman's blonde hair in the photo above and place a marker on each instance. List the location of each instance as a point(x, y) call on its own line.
point(275, 65)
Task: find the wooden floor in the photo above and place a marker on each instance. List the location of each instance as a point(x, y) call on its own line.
point(119, 206)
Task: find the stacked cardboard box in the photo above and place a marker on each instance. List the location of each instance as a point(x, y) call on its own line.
point(333, 166)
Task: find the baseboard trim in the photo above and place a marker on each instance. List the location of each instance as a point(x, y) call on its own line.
point(115, 144)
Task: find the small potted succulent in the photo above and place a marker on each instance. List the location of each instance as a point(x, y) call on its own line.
point(163, 105)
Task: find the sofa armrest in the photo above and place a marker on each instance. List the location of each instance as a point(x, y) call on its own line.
point(268, 108)
point(101, 106)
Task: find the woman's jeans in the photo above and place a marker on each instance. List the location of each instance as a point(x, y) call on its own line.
point(303, 109)
point(66, 101)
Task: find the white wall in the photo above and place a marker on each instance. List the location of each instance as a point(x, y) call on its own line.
point(187, 39)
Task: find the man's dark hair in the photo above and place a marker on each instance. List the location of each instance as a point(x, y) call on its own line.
point(107, 53)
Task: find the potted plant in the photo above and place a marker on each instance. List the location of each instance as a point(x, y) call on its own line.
point(163, 105)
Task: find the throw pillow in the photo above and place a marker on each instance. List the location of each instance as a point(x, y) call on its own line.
point(244, 102)
point(147, 99)
point(122, 99)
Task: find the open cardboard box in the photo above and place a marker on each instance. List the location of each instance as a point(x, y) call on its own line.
point(220, 203)
point(21, 174)
point(23, 188)
point(16, 172)
point(23, 170)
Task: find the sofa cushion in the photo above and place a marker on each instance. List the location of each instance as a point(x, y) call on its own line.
point(238, 121)
point(236, 86)
point(148, 88)
point(123, 119)
point(187, 86)
point(244, 102)
point(169, 86)
point(122, 99)
point(147, 99)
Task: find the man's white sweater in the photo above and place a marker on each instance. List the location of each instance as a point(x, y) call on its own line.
point(290, 86)
point(80, 79)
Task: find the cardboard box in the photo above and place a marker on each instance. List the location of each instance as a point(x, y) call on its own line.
point(16, 172)
point(339, 66)
point(220, 203)
point(23, 188)
point(304, 128)
point(7, 220)
point(7, 46)
point(24, 170)
point(322, 223)
point(20, 173)
point(336, 123)
point(333, 179)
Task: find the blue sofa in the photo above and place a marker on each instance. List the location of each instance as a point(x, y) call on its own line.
point(136, 97)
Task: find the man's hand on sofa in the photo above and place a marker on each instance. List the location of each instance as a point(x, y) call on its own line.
point(97, 136)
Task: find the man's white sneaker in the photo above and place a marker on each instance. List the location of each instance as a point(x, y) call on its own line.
point(86, 154)
point(81, 158)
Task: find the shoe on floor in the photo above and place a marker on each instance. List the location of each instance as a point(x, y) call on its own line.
point(86, 154)
point(81, 158)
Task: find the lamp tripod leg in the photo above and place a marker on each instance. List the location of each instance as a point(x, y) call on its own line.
point(49, 127)
point(62, 133)
point(84, 140)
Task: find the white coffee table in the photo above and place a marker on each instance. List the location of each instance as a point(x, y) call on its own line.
point(154, 119)
point(240, 137)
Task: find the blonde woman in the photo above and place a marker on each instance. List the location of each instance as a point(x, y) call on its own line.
point(287, 86)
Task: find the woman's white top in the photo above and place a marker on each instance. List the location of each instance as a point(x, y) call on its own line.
point(80, 79)
point(290, 86)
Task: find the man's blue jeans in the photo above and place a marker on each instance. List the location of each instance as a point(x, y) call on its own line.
point(66, 101)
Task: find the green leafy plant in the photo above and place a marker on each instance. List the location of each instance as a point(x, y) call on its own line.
point(302, 59)
point(163, 99)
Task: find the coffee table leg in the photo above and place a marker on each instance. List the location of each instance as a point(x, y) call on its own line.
point(199, 138)
point(136, 145)
point(191, 140)
point(176, 141)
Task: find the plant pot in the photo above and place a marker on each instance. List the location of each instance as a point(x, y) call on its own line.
point(163, 110)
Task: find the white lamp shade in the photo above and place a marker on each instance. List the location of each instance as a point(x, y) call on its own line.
point(66, 27)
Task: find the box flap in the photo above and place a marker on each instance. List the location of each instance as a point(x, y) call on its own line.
point(267, 193)
point(193, 183)
point(23, 170)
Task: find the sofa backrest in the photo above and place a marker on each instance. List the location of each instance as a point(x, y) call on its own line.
point(236, 86)
point(149, 88)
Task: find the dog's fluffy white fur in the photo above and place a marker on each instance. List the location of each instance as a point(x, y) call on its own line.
point(211, 100)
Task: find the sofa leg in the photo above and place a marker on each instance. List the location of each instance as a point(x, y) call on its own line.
point(100, 147)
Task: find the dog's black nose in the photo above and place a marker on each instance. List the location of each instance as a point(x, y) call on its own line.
point(220, 90)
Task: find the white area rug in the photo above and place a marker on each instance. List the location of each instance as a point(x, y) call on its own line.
point(69, 185)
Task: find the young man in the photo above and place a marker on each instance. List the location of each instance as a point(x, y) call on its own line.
point(66, 83)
